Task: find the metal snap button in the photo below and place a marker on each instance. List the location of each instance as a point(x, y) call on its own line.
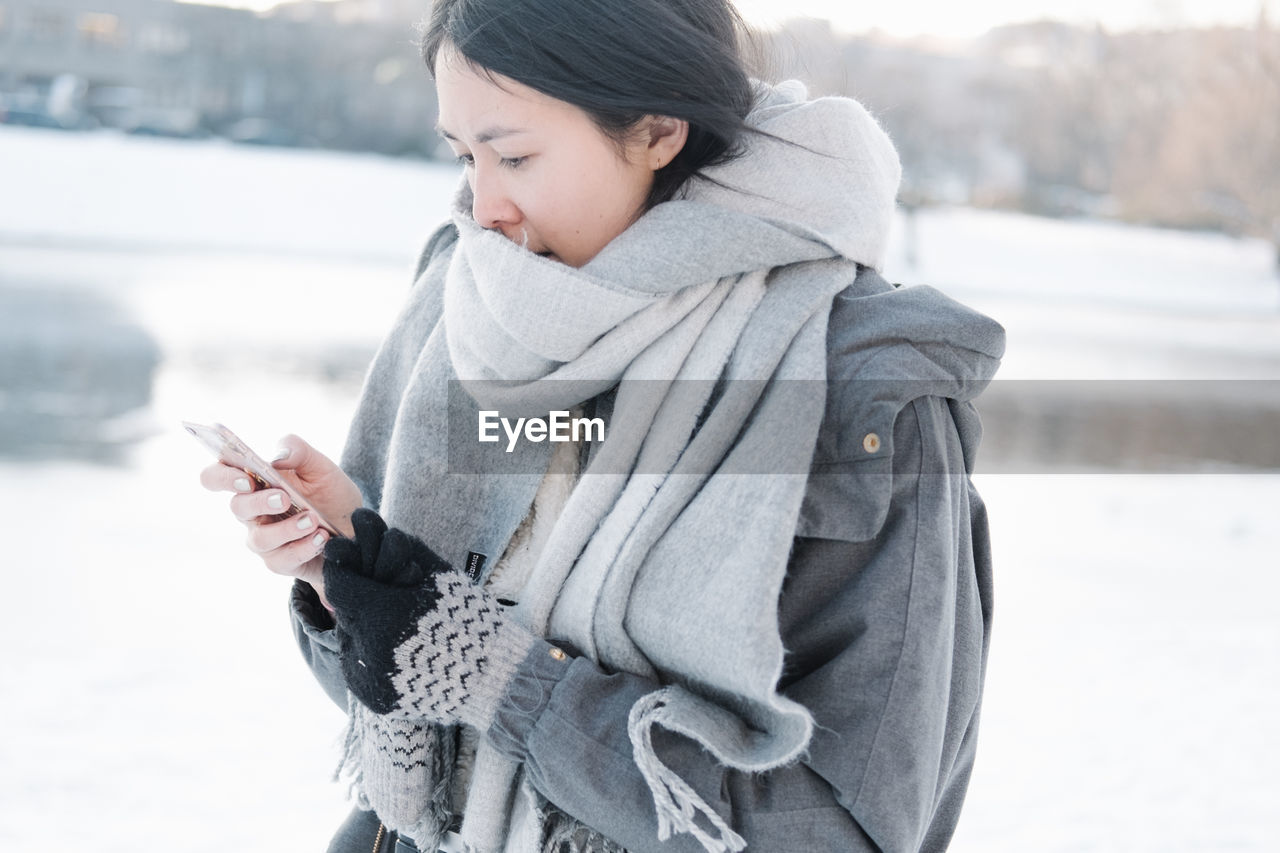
point(871, 442)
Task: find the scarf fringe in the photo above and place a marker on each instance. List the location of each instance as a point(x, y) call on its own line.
point(677, 804)
point(349, 764)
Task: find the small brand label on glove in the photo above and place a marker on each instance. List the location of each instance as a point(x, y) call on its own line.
point(475, 565)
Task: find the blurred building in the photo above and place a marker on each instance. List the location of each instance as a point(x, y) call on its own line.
point(341, 75)
point(343, 11)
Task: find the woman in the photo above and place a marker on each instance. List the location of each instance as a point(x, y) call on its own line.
point(752, 614)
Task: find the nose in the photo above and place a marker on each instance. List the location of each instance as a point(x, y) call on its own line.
point(491, 205)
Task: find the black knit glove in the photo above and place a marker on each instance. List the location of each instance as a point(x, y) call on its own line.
point(417, 638)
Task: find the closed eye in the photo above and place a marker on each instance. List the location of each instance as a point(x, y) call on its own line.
point(512, 162)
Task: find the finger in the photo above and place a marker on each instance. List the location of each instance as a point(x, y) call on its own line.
point(224, 478)
point(296, 455)
point(297, 559)
point(256, 505)
point(396, 564)
point(342, 553)
point(265, 537)
point(349, 591)
point(367, 524)
point(369, 530)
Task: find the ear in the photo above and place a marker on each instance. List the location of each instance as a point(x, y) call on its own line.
point(666, 137)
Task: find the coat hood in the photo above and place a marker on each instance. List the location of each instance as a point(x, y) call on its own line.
point(887, 346)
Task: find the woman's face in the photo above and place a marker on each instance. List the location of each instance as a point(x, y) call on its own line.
point(541, 172)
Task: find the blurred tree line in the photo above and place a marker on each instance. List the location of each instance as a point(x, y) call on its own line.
point(1177, 128)
point(334, 75)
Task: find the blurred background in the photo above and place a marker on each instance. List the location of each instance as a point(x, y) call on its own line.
point(212, 212)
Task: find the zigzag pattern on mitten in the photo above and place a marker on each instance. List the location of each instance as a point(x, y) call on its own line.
point(459, 661)
point(397, 766)
point(402, 743)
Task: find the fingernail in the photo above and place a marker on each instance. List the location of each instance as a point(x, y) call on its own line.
point(305, 523)
point(281, 454)
point(276, 502)
point(318, 540)
point(242, 485)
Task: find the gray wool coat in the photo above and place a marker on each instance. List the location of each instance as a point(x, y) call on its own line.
point(885, 614)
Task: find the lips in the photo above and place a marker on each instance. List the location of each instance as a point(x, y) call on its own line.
point(523, 240)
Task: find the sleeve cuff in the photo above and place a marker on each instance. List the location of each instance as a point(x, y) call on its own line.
point(527, 696)
point(319, 645)
point(310, 616)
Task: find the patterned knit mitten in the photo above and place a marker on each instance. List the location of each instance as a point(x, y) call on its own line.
point(417, 638)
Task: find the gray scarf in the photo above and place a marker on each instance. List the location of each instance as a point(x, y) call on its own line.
point(669, 556)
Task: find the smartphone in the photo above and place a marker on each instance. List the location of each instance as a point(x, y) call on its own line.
point(231, 450)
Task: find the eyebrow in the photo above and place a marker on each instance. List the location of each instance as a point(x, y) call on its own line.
point(487, 135)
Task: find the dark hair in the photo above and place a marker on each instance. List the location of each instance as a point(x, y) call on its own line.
point(618, 61)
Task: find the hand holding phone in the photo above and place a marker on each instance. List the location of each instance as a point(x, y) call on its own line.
point(231, 450)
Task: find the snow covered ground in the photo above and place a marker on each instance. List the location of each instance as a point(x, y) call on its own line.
point(153, 698)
